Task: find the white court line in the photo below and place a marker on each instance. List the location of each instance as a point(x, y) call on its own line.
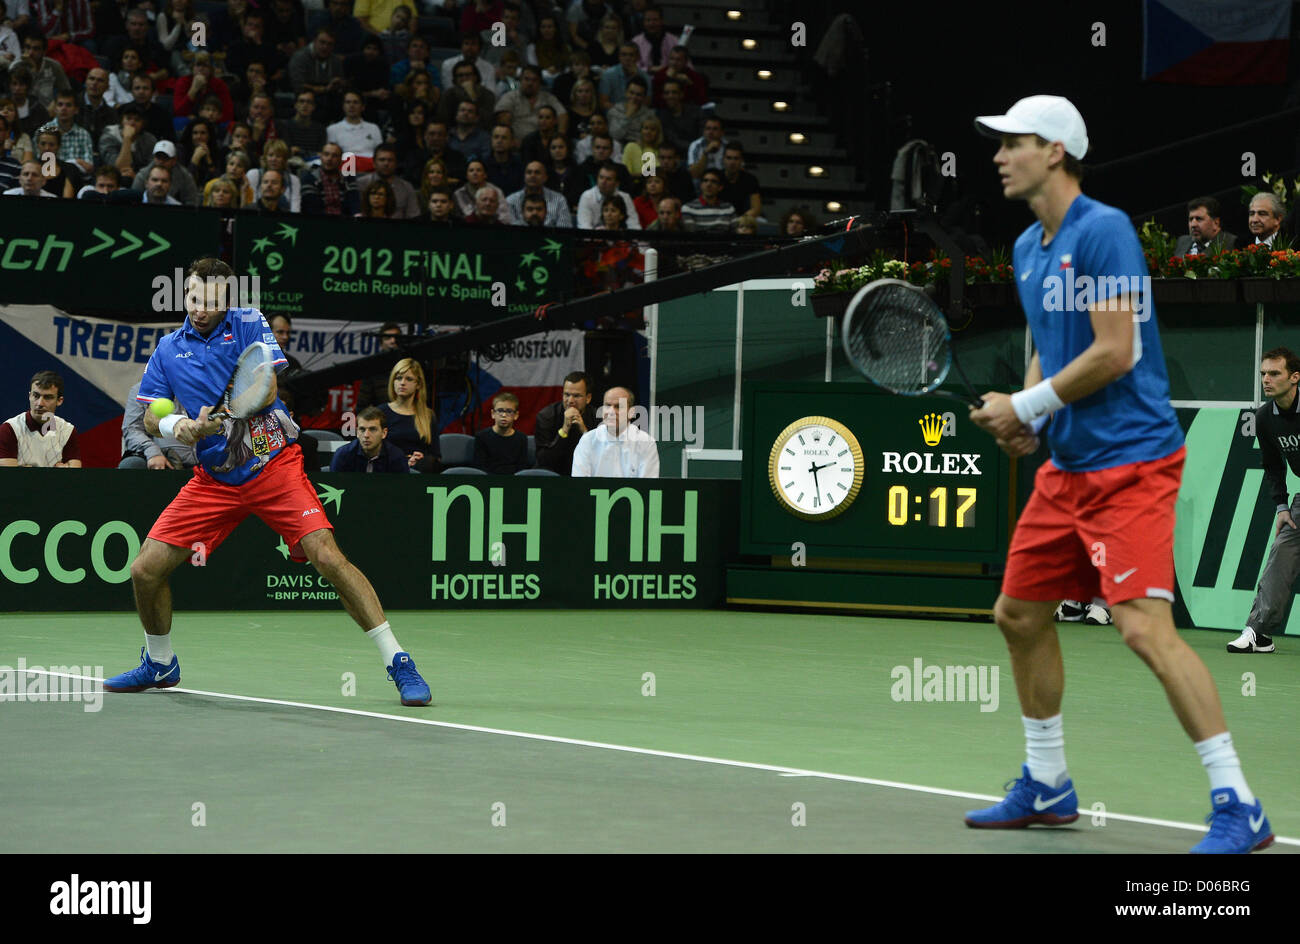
point(650, 752)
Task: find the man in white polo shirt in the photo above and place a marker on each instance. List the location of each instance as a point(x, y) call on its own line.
point(606, 186)
point(31, 183)
point(37, 437)
point(616, 449)
point(354, 134)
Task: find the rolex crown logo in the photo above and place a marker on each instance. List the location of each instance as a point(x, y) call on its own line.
point(931, 428)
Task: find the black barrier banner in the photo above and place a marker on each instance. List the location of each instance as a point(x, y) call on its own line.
point(91, 257)
point(425, 542)
point(401, 270)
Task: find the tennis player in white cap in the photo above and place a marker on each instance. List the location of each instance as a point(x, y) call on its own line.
point(1100, 521)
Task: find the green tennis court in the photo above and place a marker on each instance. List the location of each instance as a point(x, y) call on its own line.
point(764, 732)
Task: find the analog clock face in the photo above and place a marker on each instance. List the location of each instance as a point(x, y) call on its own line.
point(815, 468)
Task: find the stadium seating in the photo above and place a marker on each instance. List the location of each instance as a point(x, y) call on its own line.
point(456, 448)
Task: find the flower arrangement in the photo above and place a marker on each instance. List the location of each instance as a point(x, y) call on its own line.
point(997, 269)
point(1248, 262)
point(934, 269)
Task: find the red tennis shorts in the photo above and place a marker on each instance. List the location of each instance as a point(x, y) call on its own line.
point(206, 510)
point(1107, 534)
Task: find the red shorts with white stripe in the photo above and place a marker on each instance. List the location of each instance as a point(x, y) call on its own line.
point(1107, 534)
point(205, 511)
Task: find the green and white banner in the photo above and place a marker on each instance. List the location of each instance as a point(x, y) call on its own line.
point(425, 542)
point(1225, 520)
point(401, 271)
point(97, 258)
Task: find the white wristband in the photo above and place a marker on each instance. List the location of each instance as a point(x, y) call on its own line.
point(167, 425)
point(1038, 400)
point(1038, 424)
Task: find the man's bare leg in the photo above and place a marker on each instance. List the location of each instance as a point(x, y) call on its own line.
point(1147, 627)
point(355, 591)
point(1036, 662)
point(149, 580)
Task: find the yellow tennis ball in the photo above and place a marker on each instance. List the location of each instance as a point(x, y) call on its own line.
point(162, 407)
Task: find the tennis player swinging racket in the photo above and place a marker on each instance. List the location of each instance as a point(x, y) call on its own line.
point(250, 463)
point(1100, 521)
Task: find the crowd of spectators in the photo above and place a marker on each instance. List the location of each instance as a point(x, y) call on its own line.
point(352, 110)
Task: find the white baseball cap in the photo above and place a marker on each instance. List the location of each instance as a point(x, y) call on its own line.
point(165, 147)
point(1051, 117)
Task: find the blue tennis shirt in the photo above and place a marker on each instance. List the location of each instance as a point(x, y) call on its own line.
point(1096, 256)
point(193, 372)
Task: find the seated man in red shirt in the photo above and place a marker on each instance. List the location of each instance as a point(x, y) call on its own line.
point(37, 437)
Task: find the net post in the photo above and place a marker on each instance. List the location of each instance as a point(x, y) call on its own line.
point(1259, 350)
point(1029, 351)
point(830, 343)
point(652, 326)
point(740, 343)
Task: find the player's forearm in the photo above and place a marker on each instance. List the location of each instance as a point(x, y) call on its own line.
point(1096, 367)
point(1034, 375)
point(151, 424)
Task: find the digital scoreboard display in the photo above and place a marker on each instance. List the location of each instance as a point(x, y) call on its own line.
point(905, 478)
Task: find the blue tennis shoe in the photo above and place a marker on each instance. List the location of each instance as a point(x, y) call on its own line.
point(1235, 828)
point(410, 685)
point(1029, 802)
point(148, 674)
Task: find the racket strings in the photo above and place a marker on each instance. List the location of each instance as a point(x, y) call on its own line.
point(251, 383)
point(898, 341)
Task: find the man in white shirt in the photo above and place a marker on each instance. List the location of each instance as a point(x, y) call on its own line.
point(31, 183)
point(616, 448)
point(606, 185)
point(353, 133)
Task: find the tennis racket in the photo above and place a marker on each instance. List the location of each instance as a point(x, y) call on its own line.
point(897, 337)
point(249, 385)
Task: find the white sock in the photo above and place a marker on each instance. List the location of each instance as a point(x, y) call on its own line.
point(1045, 749)
point(386, 641)
point(1221, 763)
point(160, 648)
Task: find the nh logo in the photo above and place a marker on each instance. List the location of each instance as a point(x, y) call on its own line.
point(639, 523)
point(444, 498)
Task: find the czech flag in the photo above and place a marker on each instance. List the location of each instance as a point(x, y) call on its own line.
point(1216, 42)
